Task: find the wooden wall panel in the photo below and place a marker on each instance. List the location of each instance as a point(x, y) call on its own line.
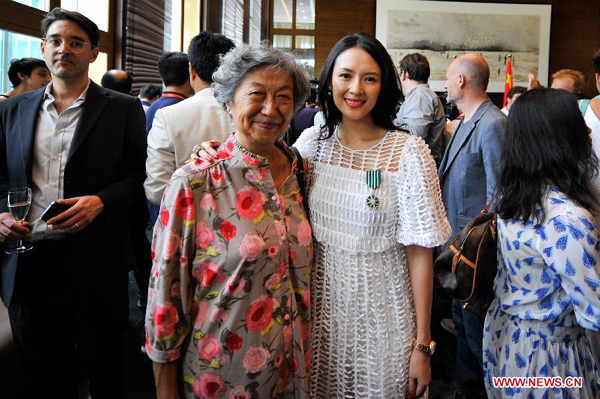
point(575, 33)
point(144, 41)
point(335, 19)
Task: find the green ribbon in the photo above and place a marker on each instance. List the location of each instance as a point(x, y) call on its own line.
point(373, 178)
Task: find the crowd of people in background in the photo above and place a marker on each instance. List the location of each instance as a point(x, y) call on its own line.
point(292, 242)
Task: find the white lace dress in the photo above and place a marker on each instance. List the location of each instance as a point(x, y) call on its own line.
point(363, 312)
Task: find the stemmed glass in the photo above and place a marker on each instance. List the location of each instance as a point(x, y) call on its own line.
point(19, 201)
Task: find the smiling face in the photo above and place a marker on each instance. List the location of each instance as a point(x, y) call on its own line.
point(61, 61)
point(355, 83)
point(40, 77)
point(262, 108)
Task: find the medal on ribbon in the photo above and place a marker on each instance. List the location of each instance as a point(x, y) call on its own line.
point(373, 179)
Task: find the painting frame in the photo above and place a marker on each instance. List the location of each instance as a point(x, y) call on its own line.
point(396, 20)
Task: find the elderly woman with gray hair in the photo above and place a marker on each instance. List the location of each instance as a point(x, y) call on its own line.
point(228, 304)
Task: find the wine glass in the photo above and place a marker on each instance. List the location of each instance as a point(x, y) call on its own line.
point(19, 201)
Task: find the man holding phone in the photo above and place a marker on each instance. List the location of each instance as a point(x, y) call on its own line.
point(84, 147)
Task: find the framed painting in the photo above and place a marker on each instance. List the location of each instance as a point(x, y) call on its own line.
point(444, 30)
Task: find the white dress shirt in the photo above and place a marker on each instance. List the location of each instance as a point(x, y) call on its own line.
point(53, 137)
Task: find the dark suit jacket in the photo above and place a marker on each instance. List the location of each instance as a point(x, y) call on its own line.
point(106, 158)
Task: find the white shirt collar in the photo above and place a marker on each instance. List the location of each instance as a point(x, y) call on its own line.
point(49, 98)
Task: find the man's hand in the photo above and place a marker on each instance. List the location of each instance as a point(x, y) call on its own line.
point(82, 212)
point(419, 374)
point(533, 82)
point(12, 231)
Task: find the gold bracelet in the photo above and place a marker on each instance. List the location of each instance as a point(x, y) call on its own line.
point(428, 349)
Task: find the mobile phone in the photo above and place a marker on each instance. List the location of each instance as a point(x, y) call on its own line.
point(55, 208)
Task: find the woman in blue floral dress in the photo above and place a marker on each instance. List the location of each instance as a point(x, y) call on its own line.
point(228, 306)
point(548, 285)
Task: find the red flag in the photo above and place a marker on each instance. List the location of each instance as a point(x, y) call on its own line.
point(508, 82)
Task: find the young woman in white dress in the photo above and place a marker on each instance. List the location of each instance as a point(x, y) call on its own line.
point(376, 212)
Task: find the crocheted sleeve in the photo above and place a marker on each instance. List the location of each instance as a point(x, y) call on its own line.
point(307, 142)
point(422, 219)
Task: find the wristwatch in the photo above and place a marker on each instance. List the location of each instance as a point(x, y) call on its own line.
point(429, 349)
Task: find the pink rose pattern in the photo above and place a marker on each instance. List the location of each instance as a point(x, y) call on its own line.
point(204, 235)
point(209, 386)
point(208, 347)
point(255, 359)
point(251, 247)
point(229, 291)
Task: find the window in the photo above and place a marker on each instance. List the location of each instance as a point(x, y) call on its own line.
point(173, 21)
point(305, 52)
point(305, 14)
point(293, 29)
point(99, 67)
point(181, 23)
point(240, 20)
point(20, 31)
point(233, 20)
point(14, 45)
point(191, 22)
point(43, 5)
point(282, 14)
point(255, 22)
point(96, 10)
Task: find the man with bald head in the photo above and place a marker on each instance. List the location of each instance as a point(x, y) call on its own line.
point(117, 80)
point(571, 81)
point(468, 174)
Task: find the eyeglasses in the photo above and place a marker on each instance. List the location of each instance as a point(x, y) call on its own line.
point(76, 46)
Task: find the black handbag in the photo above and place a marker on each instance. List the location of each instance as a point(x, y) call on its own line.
point(466, 268)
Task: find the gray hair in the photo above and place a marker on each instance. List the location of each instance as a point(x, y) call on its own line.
point(237, 63)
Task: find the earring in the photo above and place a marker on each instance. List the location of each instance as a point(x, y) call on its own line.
point(329, 92)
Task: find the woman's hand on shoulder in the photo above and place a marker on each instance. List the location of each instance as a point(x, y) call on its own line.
point(206, 150)
point(419, 374)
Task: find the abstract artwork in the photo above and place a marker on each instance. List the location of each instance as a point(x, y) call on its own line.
point(443, 31)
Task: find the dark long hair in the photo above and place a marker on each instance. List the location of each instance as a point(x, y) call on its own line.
point(387, 105)
point(547, 143)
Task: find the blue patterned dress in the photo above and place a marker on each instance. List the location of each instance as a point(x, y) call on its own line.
point(547, 294)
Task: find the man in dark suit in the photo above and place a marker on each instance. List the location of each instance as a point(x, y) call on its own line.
point(468, 174)
point(85, 146)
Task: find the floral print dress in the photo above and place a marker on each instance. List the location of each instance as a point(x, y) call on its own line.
point(229, 291)
point(547, 293)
